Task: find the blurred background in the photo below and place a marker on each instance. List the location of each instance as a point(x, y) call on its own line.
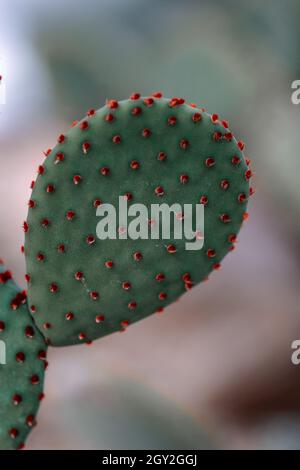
point(214, 370)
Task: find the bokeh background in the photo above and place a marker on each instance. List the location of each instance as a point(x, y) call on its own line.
point(215, 369)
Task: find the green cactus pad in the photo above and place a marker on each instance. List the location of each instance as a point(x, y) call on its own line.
point(22, 365)
point(152, 151)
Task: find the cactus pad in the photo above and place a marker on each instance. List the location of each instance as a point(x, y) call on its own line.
point(149, 150)
point(22, 365)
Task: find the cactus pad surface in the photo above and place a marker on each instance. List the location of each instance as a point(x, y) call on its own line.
point(149, 150)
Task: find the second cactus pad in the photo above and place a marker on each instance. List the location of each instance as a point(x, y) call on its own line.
point(146, 150)
point(22, 365)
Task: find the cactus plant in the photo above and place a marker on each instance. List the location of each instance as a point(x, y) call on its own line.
point(23, 362)
point(150, 150)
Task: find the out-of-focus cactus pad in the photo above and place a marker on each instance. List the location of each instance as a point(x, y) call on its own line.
point(22, 365)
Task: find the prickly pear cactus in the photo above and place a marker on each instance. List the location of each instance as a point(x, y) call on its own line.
point(22, 365)
point(148, 150)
